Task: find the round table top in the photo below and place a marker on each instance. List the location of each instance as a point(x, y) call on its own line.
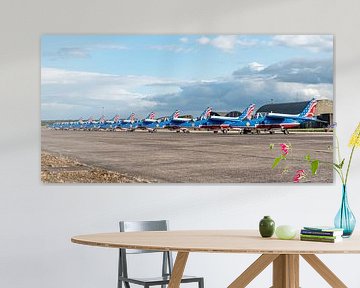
point(217, 241)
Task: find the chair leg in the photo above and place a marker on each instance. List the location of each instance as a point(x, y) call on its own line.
point(126, 284)
point(201, 283)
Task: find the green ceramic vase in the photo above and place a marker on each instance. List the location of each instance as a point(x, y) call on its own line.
point(267, 227)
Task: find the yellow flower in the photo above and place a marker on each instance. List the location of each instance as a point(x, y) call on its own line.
point(355, 138)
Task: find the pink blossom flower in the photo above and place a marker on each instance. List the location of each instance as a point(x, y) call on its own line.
point(300, 174)
point(284, 148)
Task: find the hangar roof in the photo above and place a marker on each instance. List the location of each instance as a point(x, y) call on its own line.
point(286, 108)
point(323, 107)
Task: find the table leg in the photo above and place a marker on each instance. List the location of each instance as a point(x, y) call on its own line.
point(324, 271)
point(178, 269)
point(286, 271)
point(253, 270)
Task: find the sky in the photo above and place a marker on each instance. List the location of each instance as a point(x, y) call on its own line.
point(90, 75)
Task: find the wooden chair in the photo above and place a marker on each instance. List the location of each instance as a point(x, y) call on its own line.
point(167, 262)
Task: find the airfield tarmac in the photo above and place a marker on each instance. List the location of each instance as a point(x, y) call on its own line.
point(197, 157)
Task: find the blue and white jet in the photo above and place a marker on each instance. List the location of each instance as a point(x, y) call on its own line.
point(110, 124)
point(182, 124)
point(223, 123)
point(128, 124)
point(273, 121)
point(149, 123)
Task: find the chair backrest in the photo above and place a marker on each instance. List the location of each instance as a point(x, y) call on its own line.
point(137, 226)
point(134, 226)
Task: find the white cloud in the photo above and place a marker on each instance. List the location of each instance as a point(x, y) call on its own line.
point(57, 106)
point(300, 91)
point(108, 46)
point(184, 40)
point(228, 43)
point(314, 43)
point(225, 43)
point(254, 66)
point(73, 52)
point(79, 93)
point(310, 71)
point(171, 48)
point(247, 43)
point(61, 76)
point(203, 40)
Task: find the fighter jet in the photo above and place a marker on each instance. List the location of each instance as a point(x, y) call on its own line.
point(184, 124)
point(278, 121)
point(223, 123)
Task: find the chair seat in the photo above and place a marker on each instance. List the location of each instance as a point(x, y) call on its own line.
point(158, 280)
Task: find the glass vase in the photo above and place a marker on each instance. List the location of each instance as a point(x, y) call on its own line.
point(345, 219)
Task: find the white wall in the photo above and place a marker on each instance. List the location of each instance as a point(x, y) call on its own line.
point(37, 221)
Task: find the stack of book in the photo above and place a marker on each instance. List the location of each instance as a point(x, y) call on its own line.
point(321, 234)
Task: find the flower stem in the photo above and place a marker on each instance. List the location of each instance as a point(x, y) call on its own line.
point(338, 149)
point(339, 171)
point(351, 155)
point(348, 167)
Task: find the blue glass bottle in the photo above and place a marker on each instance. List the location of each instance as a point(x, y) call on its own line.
point(345, 219)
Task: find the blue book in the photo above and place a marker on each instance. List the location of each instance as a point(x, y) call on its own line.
point(322, 231)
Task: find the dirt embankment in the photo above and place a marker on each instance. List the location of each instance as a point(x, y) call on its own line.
point(61, 169)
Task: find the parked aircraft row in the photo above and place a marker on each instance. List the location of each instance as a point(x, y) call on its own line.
point(246, 122)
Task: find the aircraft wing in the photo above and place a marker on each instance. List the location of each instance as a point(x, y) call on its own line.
point(312, 119)
point(181, 120)
point(223, 118)
point(279, 117)
point(298, 118)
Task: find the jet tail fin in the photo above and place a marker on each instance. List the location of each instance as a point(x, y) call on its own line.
point(131, 117)
point(310, 109)
point(176, 114)
point(116, 118)
point(206, 113)
point(247, 113)
point(151, 116)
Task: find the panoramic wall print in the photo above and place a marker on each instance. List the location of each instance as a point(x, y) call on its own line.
point(186, 108)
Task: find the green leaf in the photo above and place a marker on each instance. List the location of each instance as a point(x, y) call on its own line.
point(314, 166)
point(307, 157)
point(276, 161)
point(342, 164)
point(271, 146)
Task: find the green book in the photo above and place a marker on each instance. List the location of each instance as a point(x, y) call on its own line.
point(325, 240)
point(319, 236)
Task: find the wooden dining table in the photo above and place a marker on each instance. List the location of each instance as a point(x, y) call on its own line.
point(283, 254)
